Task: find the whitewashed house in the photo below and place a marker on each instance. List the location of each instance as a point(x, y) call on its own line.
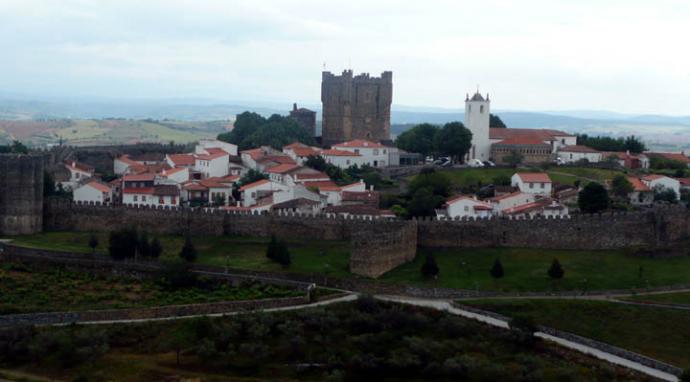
point(576, 153)
point(125, 164)
point(538, 183)
point(342, 158)
point(641, 194)
point(464, 206)
point(78, 172)
point(543, 207)
point(252, 192)
point(93, 192)
point(177, 175)
point(512, 200)
point(661, 182)
point(205, 144)
point(372, 154)
point(180, 160)
point(300, 152)
point(215, 164)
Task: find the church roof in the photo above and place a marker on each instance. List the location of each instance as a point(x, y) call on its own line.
point(477, 97)
point(542, 134)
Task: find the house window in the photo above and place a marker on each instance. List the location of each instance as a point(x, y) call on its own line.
point(541, 185)
point(467, 208)
point(347, 162)
point(143, 198)
point(531, 185)
point(481, 108)
point(376, 151)
point(161, 200)
point(173, 200)
point(76, 175)
point(136, 198)
point(384, 151)
point(356, 151)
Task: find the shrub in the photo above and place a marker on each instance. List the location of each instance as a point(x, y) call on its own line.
point(430, 268)
point(143, 245)
point(156, 249)
point(123, 244)
point(175, 275)
point(93, 242)
point(497, 269)
point(556, 271)
point(188, 252)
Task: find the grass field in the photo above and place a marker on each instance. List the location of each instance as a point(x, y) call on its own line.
point(655, 332)
point(24, 289)
point(682, 298)
point(236, 252)
point(563, 175)
point(526, 270)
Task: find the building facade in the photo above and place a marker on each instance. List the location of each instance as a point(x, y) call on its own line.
point(356, 107)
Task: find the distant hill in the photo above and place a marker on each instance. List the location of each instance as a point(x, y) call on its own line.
point(661, 132)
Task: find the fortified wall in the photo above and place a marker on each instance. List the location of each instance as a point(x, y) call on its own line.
point(380, 245)
point(21, 194)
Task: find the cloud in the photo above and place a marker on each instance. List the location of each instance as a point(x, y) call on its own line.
point(534, 54)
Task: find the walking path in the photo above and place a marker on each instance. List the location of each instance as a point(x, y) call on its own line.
point(447, 307)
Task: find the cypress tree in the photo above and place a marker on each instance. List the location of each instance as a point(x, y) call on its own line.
point(497, 269)
point(556, 272)
point(430, 268)
point(188, 252)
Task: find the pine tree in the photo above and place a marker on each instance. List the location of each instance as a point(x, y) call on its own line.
point(93, 243)
point(430, 268)
point(156, 249)
point(497, 269)
point(188, 252)
point(272, 247)
point(556, 272)
point(282, 255)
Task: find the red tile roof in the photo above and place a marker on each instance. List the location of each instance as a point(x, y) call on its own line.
point(526, 140)
point(126, 159)
point(638, 185)
point(359, 143)
point(253, 153)
point(99, 186)
point(182, 159)
point(192, 186)
point(534, 177)
point(577, 149)
point(280, 159)
point(139, 177)
point(542, 134)
point(684, 181)
point(672, 156)
point(360, 196)
point(324, 185)
point(478, 205)
point(525, 207)
point(506, 196)
point(168, 172)
point(283, 168)
point(213, 184)
point(311, 175)
point(295, 145)
point(211, 156)
point(255, 184)
point(652, 177)
point(225, 179)
point(79, 166)
point(339, 153)
point(305, 152)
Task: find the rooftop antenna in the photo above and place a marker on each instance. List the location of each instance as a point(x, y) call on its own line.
point(477, 88)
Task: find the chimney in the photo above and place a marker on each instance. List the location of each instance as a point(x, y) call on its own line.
point(371, 187)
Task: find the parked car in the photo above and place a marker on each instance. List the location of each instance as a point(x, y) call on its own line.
point(489, 163)
point(475, 163)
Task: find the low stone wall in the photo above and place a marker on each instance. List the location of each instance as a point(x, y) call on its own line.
point(626, 354)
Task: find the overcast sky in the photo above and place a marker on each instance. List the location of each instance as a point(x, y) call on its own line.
point(626, 56)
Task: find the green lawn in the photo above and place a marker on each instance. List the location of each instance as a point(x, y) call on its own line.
point(563, 175)
point(682, 298)
point(233, 251)
point(655, 332)
point(24, 289)
point(526, 270)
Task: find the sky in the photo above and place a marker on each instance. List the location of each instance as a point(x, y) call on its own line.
point(626, 56)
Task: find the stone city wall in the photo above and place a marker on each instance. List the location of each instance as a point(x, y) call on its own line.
point(383, 247)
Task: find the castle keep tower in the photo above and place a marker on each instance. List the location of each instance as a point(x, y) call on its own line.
point(21, 194)
point(305, 117)
point(477, 111)
point(356, 107)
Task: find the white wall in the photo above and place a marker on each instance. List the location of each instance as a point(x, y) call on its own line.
point(212, 168)
point(465, 208)
point(149, 200)
point(664, 183)
point(477, 121)
point(571, 157)
point(214, 143)
point(86, 193)
point(511, 201)
point(249, 196)
point(344, 161)
point(537, 188)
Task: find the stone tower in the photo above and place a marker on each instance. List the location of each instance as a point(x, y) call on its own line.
point(477, 111)
point(356, 107)
point(21, 194)
point(305, 117)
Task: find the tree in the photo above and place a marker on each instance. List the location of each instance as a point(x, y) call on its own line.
point(188, 252)
point(180, 337)
point(497, 269)
point(555, 271)
point(593, 198)
point(685, 377)
point(424, 203)
point(621, 186)
point(271, 250)
point(514, 159)
point(93, 242)
point(631, 143)
point(245, 124)
point(438, 182)
point(48, 184)
point(418, 139)
point(156, 249)
point(453, 140)
point(634, 145)
point(496, 122)
point(252, 176)
point(282, 254)
point(430, 268)
point(123, 244)
point(143, 245)
point(501, 180)
point(316, 162)
point(176, 275)
point(665, 195)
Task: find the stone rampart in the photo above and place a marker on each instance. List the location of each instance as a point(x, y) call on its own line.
point(21, 194)
point(383, 247)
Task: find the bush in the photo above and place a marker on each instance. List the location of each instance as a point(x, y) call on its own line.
point(188, 252)
point(176, 275)
point(278, 252)
point(430, 268)
point(556, 271)
point(93, 242)
point(156, 249)
point(123, 244)
point(593, 198)
point(685, 377)
point(497, 269)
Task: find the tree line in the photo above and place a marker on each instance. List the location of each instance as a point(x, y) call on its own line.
point(253, 130)
point(452, 139)
point(601, 143)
